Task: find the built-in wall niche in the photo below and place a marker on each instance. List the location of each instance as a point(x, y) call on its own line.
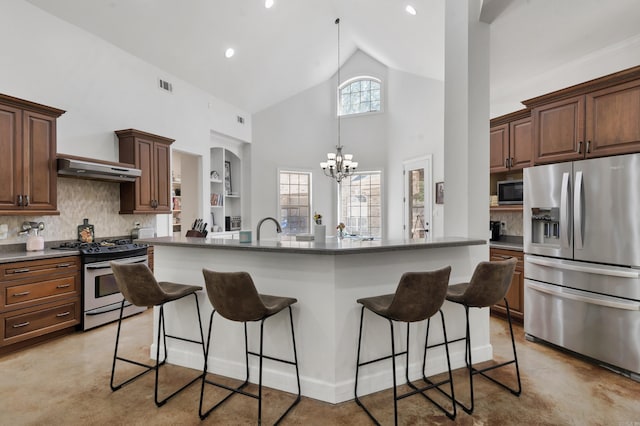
point(226, 190)
point(185, 190)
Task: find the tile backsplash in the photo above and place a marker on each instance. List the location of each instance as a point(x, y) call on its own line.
point(78, 199)
point(512, 222)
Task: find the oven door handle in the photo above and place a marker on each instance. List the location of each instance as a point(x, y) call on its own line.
point(95, 268)
point(565, 293)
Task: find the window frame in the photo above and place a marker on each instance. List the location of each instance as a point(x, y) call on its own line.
point(382, 211)
point(294, 170)
point(349, 82)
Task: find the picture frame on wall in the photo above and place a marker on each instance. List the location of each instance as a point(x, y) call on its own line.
point(227, 178)
point(439, 192)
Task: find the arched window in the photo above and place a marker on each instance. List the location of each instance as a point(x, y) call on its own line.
point(359, 95)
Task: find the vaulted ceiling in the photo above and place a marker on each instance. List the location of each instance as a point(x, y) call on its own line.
point(293, 45)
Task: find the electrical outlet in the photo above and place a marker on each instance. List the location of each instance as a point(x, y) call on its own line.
point(4, 231)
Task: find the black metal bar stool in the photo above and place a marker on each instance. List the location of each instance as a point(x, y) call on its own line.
point(234, 296)
point(489, 284)
point(419, 296)
point(139, 287)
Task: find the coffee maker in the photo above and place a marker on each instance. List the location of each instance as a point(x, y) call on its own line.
point(494, 230)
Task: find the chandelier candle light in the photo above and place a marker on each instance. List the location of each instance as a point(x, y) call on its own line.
point(338, 165)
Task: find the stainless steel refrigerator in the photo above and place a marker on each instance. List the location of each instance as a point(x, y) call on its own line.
point(582, 258)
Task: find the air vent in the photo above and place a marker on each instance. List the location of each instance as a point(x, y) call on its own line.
point(240, 120)
point(165, 85)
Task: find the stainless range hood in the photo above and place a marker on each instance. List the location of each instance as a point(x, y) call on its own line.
point(86, 168)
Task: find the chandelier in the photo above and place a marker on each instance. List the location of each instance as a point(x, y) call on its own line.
point(338, 165)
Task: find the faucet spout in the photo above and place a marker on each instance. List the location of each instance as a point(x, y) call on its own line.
point(278, 228)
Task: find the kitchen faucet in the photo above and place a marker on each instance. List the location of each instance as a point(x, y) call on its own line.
point(278, 228)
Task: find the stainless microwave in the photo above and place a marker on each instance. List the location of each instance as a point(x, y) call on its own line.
point(510, 192)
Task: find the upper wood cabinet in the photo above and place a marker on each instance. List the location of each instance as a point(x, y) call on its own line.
point(28, 170)
point(150, 193)
point(594, 119)
point(510, 142)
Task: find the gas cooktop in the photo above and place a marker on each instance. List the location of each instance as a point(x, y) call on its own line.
point(103, 247)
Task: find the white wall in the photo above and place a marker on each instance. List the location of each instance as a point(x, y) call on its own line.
point(298, 132)
point(626, 54)
point(416, 128)
point(103, 88)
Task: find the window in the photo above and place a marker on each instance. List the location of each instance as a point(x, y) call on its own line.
point(359, 95)
point(361, 204)
point(295, 201)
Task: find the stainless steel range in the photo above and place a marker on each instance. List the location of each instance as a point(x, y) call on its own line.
point(101, 298)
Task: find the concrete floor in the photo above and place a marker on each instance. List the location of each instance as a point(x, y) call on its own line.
point(66, 381)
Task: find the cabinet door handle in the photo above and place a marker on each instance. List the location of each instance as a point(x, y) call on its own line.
point(26, 200)
point(580, 147)
point(63, 314)
point(588, 147)
point(506, 163)
point(24, 293)
point(511, 162)
point(22, 324)
point(63, 265)
point(21, 271)
point(20, 200)
point(63, 285)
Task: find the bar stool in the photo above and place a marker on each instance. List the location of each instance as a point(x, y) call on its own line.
point(419, 296)
point(489, 284)
point(234, 296)
point(139, 287)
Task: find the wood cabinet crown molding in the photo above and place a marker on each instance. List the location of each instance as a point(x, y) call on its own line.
point(140, 134)
point(512, 116)
point(31, 106)
point(619, 77)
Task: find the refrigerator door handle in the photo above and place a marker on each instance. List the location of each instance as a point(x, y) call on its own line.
point(578, 211)
point(574, 266)
point(565, 293)
point(565, 194)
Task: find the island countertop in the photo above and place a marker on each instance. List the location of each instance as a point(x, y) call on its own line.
point(332, 246)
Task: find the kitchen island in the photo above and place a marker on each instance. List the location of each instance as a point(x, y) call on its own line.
point(327, 278)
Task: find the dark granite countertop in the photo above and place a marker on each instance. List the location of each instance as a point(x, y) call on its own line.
point(508, 242)
point(8, 255)
point(332, 246)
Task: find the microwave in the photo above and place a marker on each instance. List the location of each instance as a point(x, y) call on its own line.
point(510, 192)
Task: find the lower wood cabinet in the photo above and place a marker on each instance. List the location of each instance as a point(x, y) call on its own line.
point(515, 295)
point(38, 300)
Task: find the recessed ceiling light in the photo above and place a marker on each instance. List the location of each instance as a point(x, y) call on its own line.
point(268, 4)
point(411, 10)
point(229, 52)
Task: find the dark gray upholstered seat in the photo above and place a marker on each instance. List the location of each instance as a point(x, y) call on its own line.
point(418, 297)
point(138, 286)
point(488, 285)
point(235, 297)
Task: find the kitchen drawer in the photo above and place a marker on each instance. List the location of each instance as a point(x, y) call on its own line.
point(20, 294)
point(38, 268)
point(32, 322)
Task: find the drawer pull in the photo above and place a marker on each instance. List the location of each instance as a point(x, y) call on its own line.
point(21, 271)
point(63, 265)
point(24, 293)
point(63, 285)
point(22, 324)
point(64, 314)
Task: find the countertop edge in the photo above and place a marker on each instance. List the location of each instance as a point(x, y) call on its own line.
point(354, 247)
point(8, 257)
